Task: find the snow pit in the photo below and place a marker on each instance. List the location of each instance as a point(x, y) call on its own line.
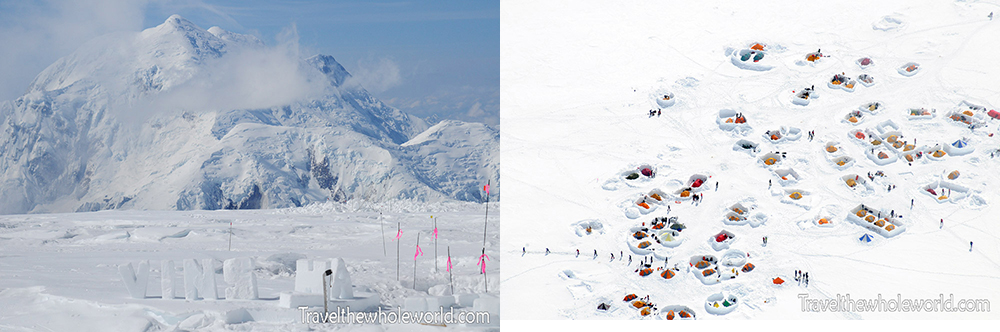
point(875, 221)
point(803, 96)
point(664, 98)
point(730, 120)
point(888, 23)
point(885, 127)
point(704, 268)
point(798, 197)
point(631, 177)
point(854, 117)
point(842, 162)
point(770, 159)
point(866, 80)
point(745, 145)
point(959, 148)
point(722, 240)
point(832, 148)
point(721, 303)
point(966, 118)
point(882, 155)
point(865, 62)
point(823, 221)
point(783, 134)
point(872, 107)
point(736, 215)
point(841, 81)
point(920, 113)
point(909, 69)
point(676, 312)
point(856, 182)
point(936, 152)
point(787, 176)
point(698, 182)
point(588, 227)
point(754, 57)
point(945, 191)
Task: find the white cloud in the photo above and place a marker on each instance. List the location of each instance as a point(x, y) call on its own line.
point(35, 34)
point(376, 76)
point(475, 111)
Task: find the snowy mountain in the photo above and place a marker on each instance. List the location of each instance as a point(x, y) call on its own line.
point(178, 117)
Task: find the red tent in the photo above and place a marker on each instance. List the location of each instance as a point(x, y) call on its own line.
point(721, 237)
point(697, 183)
point(647, 172)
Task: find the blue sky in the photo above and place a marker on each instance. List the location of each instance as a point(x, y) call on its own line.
point(438, 59)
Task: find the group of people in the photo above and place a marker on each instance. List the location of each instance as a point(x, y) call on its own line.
point(802, 277)
point(655, 112)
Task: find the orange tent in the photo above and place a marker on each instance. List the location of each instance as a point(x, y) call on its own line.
point(630, 297)
point(778, 281)
point(667, 274)
point(757, 47)
point(645, 272)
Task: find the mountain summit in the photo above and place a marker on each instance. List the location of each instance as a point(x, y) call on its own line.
point(178, 117)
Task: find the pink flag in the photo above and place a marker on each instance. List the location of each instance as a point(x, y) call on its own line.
point(487, 188)
point(435, 233)
point(399, 234)
point(449, 263)
point(418, 253)
point(482, 261)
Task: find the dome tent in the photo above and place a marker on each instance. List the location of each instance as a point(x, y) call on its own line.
point(796, 196)
point(865, 62)
point(872, 107)
point(882, 155)
point(937, 152)
point(664, 98)
point(909, 69)
point(832, 149)
point(588, 227)
point(770, 159)
point(722, 240)
point(843, 162)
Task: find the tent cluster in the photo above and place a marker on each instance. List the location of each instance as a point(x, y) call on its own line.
point(841, 81)
point(854, 117)
point(720, 303)
point(732, 120)
point(920, 113)
point(644, 170)
point(736, 215)
point(677, 312)
point(753, 57)
point(875, 221)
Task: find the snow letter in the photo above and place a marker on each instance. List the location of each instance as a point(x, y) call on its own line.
point(238, 273)
point(135, 283)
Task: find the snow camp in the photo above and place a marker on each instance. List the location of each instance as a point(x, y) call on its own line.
point(871, 189)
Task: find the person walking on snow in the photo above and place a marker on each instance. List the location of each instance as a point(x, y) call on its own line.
point(546, 251)
point(578, 253)
point(942, 224)
point(765, 240)
point(970, 246)
point(595, 253)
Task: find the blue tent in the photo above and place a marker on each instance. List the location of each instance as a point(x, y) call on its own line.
point(866, 238)
point(959, 144)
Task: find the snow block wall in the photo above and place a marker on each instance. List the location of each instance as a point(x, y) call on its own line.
point(875, 220)
point(238, 273)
